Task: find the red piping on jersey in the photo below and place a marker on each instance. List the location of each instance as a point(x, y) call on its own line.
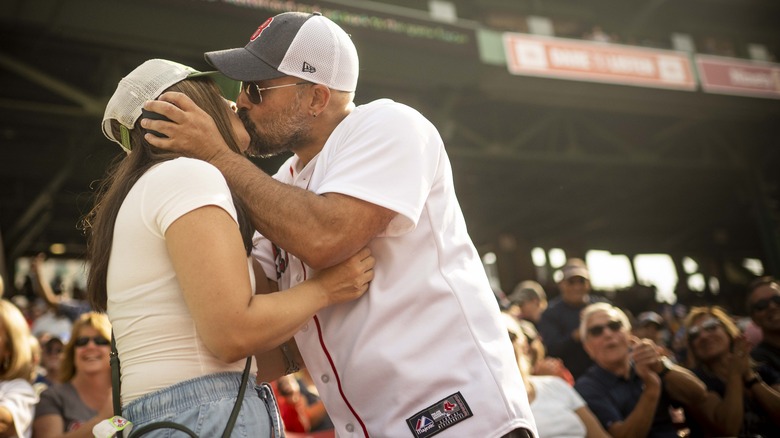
point(338, 381)
point(325, 349)
point(333, 367)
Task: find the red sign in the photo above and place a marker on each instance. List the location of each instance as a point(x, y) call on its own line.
point(738, 76)
point(597, 62)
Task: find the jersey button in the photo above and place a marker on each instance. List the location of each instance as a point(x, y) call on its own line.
point(350, 428)
point(305, 328)
point(325, 378)
point(298, 277)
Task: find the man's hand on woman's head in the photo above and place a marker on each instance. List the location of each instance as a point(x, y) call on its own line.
point(191, 131)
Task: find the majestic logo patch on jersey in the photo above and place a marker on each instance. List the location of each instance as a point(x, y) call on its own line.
point(308, 68)
point(441, 415)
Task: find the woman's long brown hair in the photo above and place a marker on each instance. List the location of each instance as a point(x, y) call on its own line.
point(99, 223)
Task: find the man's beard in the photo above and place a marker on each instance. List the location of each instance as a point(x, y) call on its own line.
point(285, 132)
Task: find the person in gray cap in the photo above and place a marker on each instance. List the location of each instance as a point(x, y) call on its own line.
point(528, 301)
point(559, 324)
point(424, 352)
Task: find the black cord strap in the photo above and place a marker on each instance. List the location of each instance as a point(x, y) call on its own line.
point(115, 390)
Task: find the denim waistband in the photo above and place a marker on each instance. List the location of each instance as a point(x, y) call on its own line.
point(184, 395)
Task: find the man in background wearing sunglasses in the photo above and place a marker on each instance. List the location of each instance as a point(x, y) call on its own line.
point(631, 388)
point(763, 303)
point(424, 352)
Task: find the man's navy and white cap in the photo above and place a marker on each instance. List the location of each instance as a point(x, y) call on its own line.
point(307, 46)
point(147, 82)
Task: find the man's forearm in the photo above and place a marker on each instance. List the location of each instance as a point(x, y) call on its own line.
point(639, 422)
point(322, 230)
point(273, 364)
point(293, 218)
point(684, 386)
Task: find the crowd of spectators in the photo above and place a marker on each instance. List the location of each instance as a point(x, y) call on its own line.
point(590, 366)
point(698, 372)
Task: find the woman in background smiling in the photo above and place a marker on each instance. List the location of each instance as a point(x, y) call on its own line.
point(721, 359)
point(72, 408)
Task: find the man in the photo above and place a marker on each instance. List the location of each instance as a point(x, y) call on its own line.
point(528, 301)
point(559, 324)
point(424, 352)
point(630, 388)
point(651, 325)
point(62, 304)
point(763, 304)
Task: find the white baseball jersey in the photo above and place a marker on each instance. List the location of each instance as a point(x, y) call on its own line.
point(423, 352)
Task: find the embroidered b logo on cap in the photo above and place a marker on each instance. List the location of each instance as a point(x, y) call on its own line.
point(261, 29)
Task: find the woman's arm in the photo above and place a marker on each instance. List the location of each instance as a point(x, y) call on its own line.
point(7, 427)
point(211, 266)
point(593, 427)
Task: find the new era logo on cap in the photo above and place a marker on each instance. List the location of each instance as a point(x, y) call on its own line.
point(307, 46)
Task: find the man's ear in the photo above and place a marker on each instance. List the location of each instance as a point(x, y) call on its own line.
point(320, 99)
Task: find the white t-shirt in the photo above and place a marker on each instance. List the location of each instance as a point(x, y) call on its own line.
point(19, 397)
point(424, 347)
point(554, 408)
point(155, 333)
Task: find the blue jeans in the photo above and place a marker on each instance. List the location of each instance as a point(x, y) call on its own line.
point(204, 405)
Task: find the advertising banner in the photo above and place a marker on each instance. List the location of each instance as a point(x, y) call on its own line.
point(561, 58)
point(738, 76)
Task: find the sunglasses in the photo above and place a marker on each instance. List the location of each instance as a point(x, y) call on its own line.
point(97, 340)
point(598, 330)
point(763, 304)
point(708, 326)
point(253, 90)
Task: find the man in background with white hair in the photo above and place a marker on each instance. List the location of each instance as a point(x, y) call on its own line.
point(631, 388)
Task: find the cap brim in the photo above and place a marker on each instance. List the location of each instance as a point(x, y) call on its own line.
point(230, 88)
point(241, 65)
point(576, 272)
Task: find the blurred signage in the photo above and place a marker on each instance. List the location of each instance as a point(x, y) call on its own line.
point(534, 55)
point(737, 76)
point(392, 24)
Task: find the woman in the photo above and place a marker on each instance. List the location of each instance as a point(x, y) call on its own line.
point(17, 396)
point(72, 408)
point(168, 248)
point(558, 409)
point(721, 359)
point(536, 354)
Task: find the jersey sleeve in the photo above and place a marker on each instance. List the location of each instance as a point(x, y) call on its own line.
point(389, 157)
point(180, 186)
